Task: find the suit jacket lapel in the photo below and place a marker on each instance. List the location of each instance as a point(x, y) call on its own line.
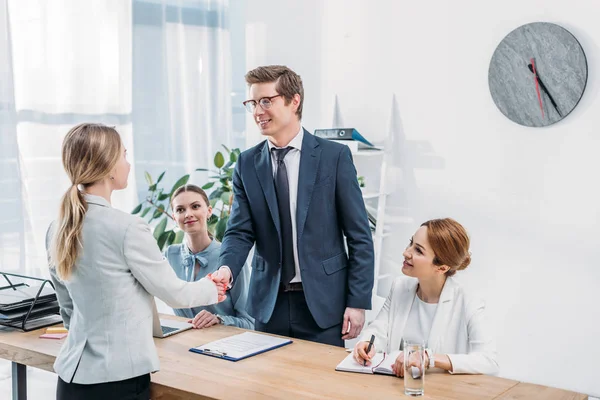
point(405, 299)
point(264, 170)
point(442, 314)
point(309, 166)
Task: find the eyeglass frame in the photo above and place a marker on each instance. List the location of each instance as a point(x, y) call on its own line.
point(257, 103)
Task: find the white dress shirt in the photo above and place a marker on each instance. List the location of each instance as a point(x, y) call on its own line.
point(292, 164)
point(419, 321)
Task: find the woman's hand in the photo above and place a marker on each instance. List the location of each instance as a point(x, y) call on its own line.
point(398, 366)
point(360, 353)
point(204, 319)
point(413, 361)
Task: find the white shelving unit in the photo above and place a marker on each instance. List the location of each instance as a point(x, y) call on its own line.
point(378, 194)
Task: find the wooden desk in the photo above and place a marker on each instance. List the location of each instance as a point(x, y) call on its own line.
point(302, 370)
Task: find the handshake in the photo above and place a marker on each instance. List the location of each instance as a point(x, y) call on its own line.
point(222, 279)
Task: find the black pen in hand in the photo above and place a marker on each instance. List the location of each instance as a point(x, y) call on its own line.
point(369, 349)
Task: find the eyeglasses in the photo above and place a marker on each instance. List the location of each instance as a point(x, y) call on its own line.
point(265, 103)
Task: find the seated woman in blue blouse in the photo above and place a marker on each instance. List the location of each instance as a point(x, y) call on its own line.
point(198, 255)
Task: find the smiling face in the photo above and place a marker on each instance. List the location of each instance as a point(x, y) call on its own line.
point(419, 256)
point(191, 212)
point(280, 118)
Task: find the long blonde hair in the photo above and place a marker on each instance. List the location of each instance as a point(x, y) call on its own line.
point(89, 154)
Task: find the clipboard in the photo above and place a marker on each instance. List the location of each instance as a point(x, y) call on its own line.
point(241, 346)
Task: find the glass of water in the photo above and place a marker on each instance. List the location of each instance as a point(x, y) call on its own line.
point(414, 369)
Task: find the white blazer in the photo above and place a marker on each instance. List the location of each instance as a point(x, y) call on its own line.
point(458, 330)
point(107, 302)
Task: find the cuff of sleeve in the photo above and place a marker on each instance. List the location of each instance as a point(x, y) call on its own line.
point(455, 361)
point(364, 303)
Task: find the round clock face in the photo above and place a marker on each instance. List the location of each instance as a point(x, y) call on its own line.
point(537, 74)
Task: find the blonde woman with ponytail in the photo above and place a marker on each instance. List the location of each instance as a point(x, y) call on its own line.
point(107, 268)
point(429, 306)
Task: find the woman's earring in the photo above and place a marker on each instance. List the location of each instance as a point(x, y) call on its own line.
point(112, 178)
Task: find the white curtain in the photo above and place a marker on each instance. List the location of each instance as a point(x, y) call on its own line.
point(156, 70)
point(181, 87)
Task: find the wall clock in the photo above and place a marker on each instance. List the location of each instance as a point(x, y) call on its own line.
point(537, 74)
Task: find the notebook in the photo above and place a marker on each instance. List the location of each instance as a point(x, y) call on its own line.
point(243, 345)
point(381, 363)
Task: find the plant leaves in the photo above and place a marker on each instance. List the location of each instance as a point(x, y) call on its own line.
point(212, 220)
point(219, 160)
point(152, 188)
point(178, 237)
point(160, 228)
point(182, 181)
point(146, 210)
point(225, 147)
point(225, 197)
point(216, 194)
point(137, 209)
point(202, 169)
point(148, 178)
point(221, 227)
point(170, 238)
point(163, 239)
point(158, 211)
point(233, 157)
point(163, 196)
point(213, 202)
point(208, 185)
point(160, 176)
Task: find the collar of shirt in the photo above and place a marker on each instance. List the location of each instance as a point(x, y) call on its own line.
point(296, 142)
point(101, 201)
point(189, 259)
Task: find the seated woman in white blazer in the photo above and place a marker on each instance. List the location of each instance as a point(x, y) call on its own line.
point(107, 268)
point(433, 308)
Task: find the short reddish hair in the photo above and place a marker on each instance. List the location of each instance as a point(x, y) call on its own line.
point(450, 244)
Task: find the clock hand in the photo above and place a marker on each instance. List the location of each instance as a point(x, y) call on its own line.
point(543, 87)
point(537, 87)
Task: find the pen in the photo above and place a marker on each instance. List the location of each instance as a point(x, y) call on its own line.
point(369, 349)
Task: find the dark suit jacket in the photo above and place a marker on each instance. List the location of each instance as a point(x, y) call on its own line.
point(329, 207)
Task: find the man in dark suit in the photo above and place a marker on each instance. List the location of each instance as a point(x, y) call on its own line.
point(296, 196)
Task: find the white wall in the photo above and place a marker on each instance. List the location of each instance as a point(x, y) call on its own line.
point(529, 197)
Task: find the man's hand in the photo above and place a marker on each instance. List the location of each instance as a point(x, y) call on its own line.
point(222, 276)
point(355, 319)
point(221, 289)
point(204, 319)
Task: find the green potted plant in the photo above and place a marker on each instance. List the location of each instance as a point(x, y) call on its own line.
point(361, 182)
point(156, 206)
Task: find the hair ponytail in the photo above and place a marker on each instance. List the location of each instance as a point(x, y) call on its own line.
point(89, 153)
point(68, 236)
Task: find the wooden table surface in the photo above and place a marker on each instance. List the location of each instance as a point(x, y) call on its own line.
point(301, 370)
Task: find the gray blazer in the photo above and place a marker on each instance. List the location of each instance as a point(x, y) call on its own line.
point(107, 302)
